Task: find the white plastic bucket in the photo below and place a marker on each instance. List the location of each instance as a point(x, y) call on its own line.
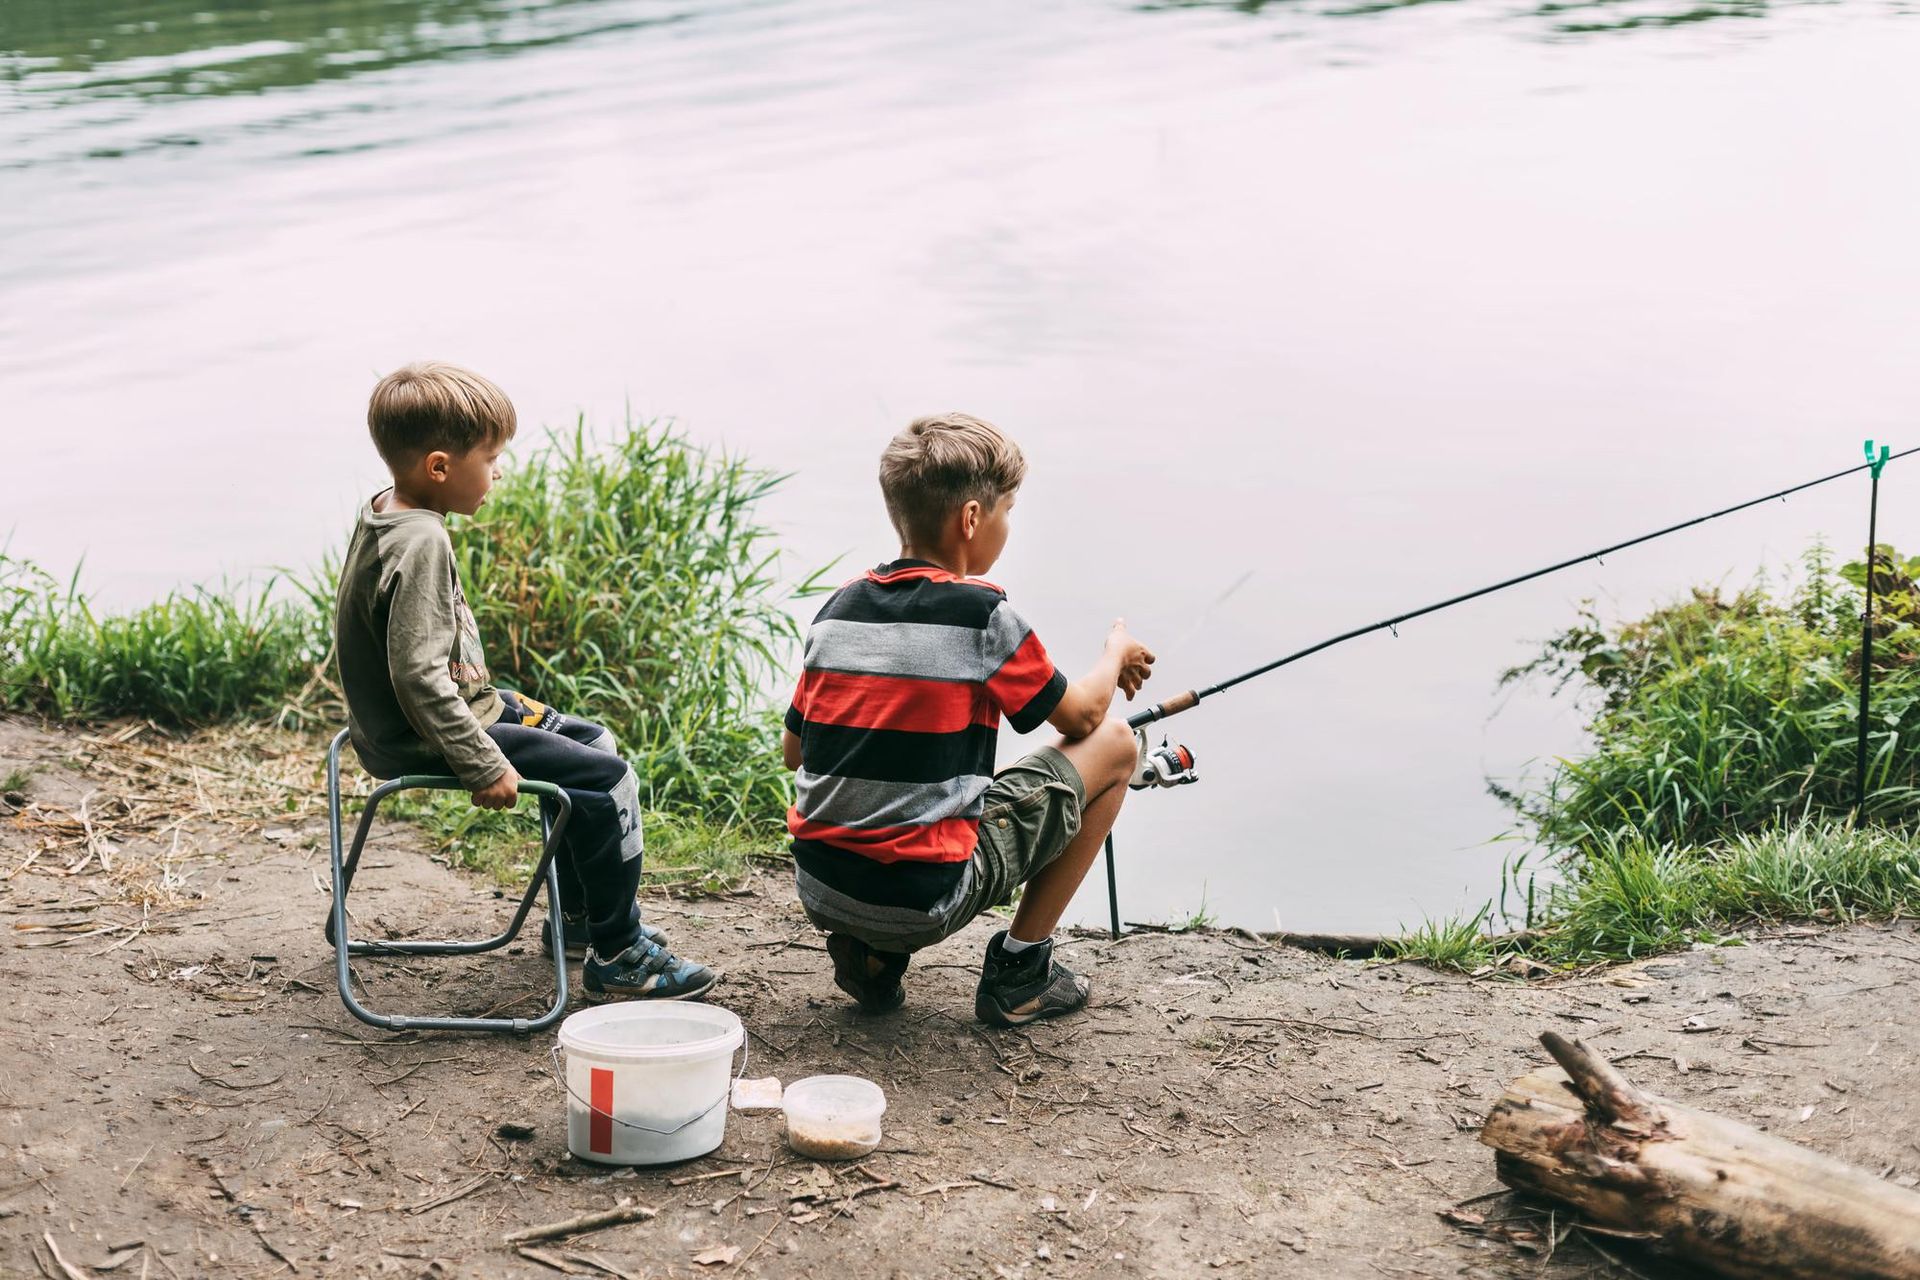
point(648, 1083)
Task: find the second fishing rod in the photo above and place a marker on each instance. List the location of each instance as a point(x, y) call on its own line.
point(1176, 762)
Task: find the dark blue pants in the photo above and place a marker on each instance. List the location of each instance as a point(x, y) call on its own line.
point(600, 854)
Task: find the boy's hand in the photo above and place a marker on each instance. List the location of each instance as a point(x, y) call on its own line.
point(502, 793)
point(1136, 660)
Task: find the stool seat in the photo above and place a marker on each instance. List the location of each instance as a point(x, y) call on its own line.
point(346, 861)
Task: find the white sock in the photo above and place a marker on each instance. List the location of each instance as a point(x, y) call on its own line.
point(1013, 946)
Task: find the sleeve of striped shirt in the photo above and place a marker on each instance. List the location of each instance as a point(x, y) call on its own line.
point(796, 714)
point(1025, 684)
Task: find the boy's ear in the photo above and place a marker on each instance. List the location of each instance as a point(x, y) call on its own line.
point(970, 513)
point(436, 465)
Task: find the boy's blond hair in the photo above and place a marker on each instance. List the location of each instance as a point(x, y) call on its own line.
point(940, 462)
point(431, 405)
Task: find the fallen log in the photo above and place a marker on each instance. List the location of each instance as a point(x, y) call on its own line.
point(1702, 1187)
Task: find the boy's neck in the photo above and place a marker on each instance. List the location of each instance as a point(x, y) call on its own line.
point(953, 559)
point(399, 498)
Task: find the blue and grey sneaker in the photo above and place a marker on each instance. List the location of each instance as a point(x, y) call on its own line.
point(573, 929)
point(645, 971)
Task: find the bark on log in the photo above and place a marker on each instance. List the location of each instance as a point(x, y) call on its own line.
point(1707, 1188)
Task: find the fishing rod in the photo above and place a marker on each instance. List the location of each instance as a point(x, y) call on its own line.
point(1192, 698)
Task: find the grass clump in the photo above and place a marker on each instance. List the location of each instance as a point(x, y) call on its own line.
point(1199, 920)
point(1720, 715)
point(1718, 793)
point(1627, 897)
point(686, 853)
point(194, 658)
point(1459, 942)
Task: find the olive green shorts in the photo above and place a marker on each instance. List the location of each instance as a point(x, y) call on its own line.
point(1029, 813)
point(1032, 812)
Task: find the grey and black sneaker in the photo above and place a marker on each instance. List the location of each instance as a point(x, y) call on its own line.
point(573, 929)
point(871, 977)
point(645, 971)
point(1017, 989)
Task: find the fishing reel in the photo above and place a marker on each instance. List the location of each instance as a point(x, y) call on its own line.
point(1168, 765)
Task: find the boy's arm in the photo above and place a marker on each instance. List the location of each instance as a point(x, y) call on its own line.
point(1125, 664)
point(794, 721)
point(420, 640)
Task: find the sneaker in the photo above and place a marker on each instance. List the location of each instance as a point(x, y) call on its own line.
point(646, 971)
point(871, 977)
point(1017, 989)
point(574, 930)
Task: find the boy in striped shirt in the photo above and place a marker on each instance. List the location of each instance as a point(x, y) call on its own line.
point(902, 833)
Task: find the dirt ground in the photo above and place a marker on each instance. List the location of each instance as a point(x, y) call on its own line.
point(184, 1095)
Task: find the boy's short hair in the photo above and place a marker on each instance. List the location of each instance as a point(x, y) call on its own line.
point(431, 405)
point(941, 462)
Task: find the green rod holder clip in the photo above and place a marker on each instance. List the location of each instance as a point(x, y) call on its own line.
point(1878, 463)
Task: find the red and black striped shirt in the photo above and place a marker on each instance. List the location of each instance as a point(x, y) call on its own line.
point(907, 672)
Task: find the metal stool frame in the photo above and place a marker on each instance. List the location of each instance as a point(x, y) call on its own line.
point(344, 948)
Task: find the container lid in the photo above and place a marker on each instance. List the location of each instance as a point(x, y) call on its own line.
point(636, 1031)
point(835, 1098)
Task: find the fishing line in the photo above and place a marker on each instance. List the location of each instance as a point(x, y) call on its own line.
point(1187, 701)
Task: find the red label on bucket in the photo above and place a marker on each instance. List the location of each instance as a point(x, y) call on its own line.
point(600, 1128)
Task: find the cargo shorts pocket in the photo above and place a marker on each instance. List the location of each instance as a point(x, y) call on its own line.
point(1032, 815)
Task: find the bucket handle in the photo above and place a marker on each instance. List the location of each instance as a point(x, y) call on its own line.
point(746, 1050)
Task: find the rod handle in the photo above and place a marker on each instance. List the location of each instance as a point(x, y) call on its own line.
point(1161, 710)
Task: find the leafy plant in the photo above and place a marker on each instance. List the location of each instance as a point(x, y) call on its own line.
point(1718, 715)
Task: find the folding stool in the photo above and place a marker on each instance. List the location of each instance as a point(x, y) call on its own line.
point(547, 872)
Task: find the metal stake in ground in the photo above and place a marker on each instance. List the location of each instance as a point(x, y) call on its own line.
point(1866, 629)
point(1167, 765)
point(1113, 892)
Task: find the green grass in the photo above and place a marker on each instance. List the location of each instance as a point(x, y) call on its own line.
point(685, 852)
point(1201, 918)
point(195, 657)
point(1717, 791)
point(1717, 714)
point(1456, 943)
point(625, 580)
point(1627, 897)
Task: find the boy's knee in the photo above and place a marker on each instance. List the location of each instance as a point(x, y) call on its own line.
point(1118, 750)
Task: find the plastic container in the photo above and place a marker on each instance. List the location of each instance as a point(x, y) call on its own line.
point(648, 1083)
point(834, 1117)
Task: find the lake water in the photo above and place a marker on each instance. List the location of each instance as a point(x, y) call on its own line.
point(1305, 314)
